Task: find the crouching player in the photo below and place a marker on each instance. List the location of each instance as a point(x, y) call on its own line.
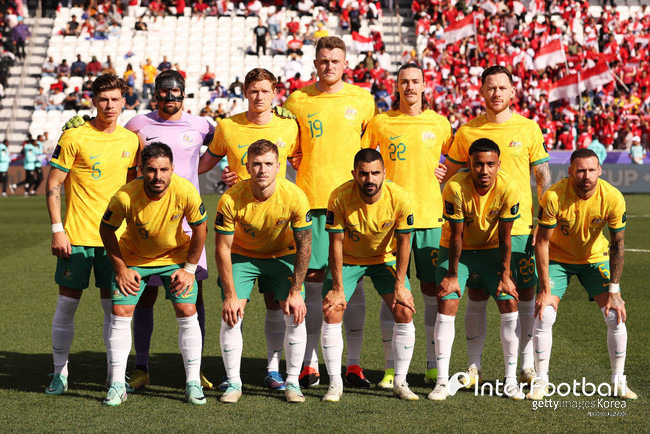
point(480, 206)
point(155, 244)
point(367, 222)
point(581, 205)
point(263, 230)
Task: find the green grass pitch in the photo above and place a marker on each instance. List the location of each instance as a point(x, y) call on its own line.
point(29, 299)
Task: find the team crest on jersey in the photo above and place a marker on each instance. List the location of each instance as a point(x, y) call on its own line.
point(126, 154)
point(202, 209)
point(187, 138)
point(329, 218)
point(281, 222)
point(175, 217)
point(107, 214)
point(350, 113)
point(57, 151)
point(117, 293)
point(514, 144)
point(410, 220)
point(624, 218)
point(515, 209)
point(449, 207)
point(308, 216)
point(281, 143)
point(219, 220)
point(428, 137)
point(67, 274)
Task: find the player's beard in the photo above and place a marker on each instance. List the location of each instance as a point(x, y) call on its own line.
point(376, 188)
point(172, 110)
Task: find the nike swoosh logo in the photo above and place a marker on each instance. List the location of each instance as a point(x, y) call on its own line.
point(227, 351)
point(140, 224)
point(278, 351)
point(92, 157)
point(396, 137)
point(440, 358)
point(530, 336)
point(193, 360)
point(242, 146)
point(356, 330)
point(312, 114)
point(408, 348)
point(57, 349)
point(472, 338)
point(512, 363)
point(619, 352)
point(329, 346)
point(528, 280)
point(294, 343)
point(539, 352)
point(386, 340)
point(151, 138)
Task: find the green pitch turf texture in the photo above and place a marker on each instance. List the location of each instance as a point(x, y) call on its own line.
point(29, 300)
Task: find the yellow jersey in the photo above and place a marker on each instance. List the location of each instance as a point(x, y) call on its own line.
point(480, 214)
point(234, 135)
point(411, 147)
point(149, 72)
point(263, 229)
point(369, 228)
point(522, 146)
point(331, 126)
point(154, 233)
point(579, 238)
point(97, 164)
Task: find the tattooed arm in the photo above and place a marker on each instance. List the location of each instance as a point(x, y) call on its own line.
point(60, 244)
point(616, 251)
point(294, 304)
point(542, 178)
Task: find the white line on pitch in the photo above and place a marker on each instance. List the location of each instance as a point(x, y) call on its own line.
point(638, 250)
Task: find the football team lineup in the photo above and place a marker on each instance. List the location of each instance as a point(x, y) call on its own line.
point(370, 197)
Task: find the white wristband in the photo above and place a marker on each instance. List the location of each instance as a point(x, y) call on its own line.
point(57, 227)
point(614, 288)
point(190, 268)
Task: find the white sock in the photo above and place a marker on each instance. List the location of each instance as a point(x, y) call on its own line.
point(232, 345)
point(444, 333)
point(386, 324)
point(510, 344)
point(543, 341)
point(119, 347)
point(332, 344)
point(107, 307)
point(403, 343)
point(616, 344)
point(313, 321)
point(430, 313)
point(189, 342)
point(526, 320)
point(354, 317)
point(294, 347)
point(274, 332)
point(475, 331)
point(63, 332)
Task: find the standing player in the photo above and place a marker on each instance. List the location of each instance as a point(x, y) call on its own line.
point(581, 204)
point(231, 139)
point(332, 116)
point(5, 159)
point(155, 243)
point(522, 146)
point(369, 225)
point(411, 139)
point(184, 133)
point(480, 207)
point(263, 232)
point(92, 162)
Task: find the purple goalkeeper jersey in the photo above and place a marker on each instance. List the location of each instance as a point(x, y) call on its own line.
point(184, 136)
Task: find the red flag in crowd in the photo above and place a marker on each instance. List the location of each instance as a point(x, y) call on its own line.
point(550, 54)
point(362, 43)
point(459, 30)
point(599, 75)
point(566, 87)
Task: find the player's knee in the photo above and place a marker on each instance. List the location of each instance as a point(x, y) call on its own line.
point(448, 306)
point(507, 306)
point(548, 319)
point(269, 301)
point(183, 310)
point(402, 314)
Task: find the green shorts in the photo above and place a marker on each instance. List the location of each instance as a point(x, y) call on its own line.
point(593, 277)
point(426, 246)
point(522, 262)
point(382, 276)
point(320, 240)
point(164, 272)
point(476, 268)
point(273, 274)
point(74, 272)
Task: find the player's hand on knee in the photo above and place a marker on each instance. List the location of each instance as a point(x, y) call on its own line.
point(541, 301)
point(61, 247)
point(615, 302)
point(403, 297)
point(75, 121)
point(182, 282)
point(440, 172)
point(283, 112)
point(128, 280)
point(228, 177)
point(507, 286)
point(295, 305)
point(448, 285)
point(231, 312)
point(334, 300)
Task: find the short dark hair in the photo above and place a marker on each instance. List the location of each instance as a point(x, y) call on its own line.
point(494, 70)
point(484, 145)
point(262, 146)
point(367, 155)
point(156, 150)
point(330, 43)
point(584, 153)
point(396, 101)
point(107, 82)
point(259, 74)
